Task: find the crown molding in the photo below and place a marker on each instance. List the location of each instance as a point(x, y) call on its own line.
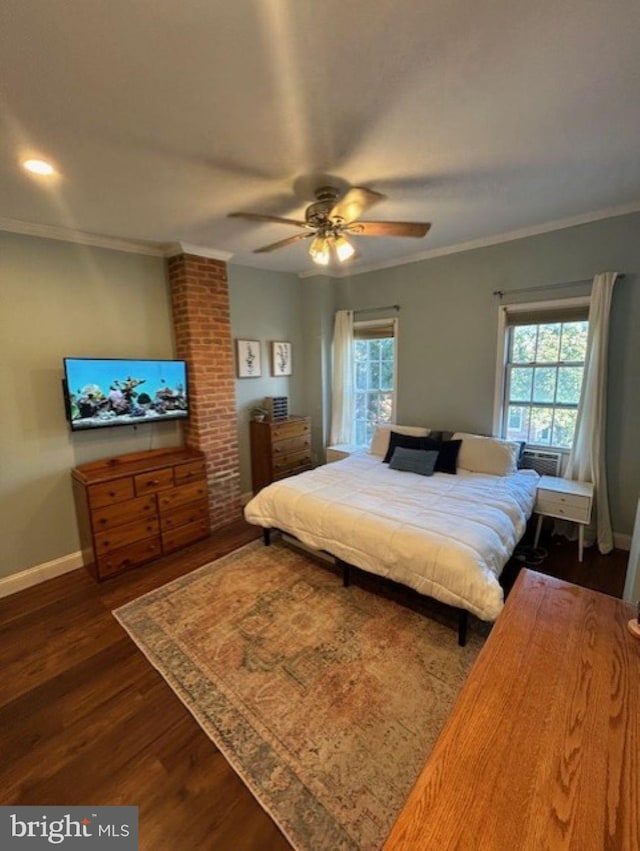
point(484, 242)
point(200, 250)
point(80, 237)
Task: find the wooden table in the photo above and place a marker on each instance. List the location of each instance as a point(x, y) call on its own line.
point(542, 748)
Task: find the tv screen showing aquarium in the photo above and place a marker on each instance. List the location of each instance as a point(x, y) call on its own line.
point(102, 392)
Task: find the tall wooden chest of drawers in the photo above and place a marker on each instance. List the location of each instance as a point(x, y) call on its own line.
point(279, 449)
point(136, 507)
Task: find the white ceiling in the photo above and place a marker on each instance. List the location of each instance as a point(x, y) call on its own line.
point(162, 116)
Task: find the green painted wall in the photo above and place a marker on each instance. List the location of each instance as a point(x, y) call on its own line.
point(448, 331)
point(266, 306)
point(60, 299)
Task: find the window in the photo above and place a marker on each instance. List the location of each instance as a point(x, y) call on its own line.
point(542, 352)
point(374, 363)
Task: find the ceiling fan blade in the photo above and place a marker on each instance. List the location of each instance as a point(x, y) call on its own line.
point(415, 229)
point(282, 243)
point(258, 217)
point(354, 203)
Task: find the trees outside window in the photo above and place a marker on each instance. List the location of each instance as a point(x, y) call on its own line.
point(543, 379)
point(374, 379)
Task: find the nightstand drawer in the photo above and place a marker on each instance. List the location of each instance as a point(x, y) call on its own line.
point(574, 508)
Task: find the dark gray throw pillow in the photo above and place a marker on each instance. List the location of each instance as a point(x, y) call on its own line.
point(447, 461)
point(420, 461)
point(407, 441)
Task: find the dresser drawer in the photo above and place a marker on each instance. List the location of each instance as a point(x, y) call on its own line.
point(290, 461)
point(183, 516)
point(116, 490)
point(184, 473)
point(182, 495)
point(130, 556)
point(285, 430)
point(156, 481)
point(123, 512)
point(292, 445)
point(574, 508)
point(177, 538)
point(120, 536)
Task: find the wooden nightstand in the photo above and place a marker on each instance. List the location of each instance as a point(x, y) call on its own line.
point(340, 450)
point(566, 499)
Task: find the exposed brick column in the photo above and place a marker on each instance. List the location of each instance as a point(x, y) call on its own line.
point(202, 323)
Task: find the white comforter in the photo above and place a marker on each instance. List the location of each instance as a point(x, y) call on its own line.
point(446, 536)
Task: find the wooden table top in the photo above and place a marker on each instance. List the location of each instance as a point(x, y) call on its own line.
point(542, 748)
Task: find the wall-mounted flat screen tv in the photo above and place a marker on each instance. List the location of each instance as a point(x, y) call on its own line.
point(102, 392)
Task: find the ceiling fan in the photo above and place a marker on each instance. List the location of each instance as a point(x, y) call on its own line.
point(331, 219)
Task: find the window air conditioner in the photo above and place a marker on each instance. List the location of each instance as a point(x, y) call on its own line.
point(544, 463)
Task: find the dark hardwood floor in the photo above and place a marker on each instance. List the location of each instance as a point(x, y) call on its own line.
point(86, 720)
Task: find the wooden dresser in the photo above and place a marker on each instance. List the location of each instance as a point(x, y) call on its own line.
point(542, 748)
point(136, 507)
point(279, 449)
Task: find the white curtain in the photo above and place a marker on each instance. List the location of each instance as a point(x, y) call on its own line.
point(342, 378)
point(587, 461)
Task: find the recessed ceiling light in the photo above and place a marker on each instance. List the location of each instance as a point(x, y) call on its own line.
point(39, 167)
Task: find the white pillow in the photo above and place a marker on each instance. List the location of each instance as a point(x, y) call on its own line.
point(380, 439)
point(487, 454)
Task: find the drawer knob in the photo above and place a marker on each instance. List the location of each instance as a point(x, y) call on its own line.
point(112, 493)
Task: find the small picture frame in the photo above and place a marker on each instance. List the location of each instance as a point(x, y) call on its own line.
point(281, 358)
point(248, 358)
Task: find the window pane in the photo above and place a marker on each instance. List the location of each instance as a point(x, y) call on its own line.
point(361, 375)
point(524, 343)
point(360, 406)
point(564, 426)
point(373, 407)
point(548, 343)
point(361, 433)
point(521, 381)
point(544, 384)
point(517, 423)
point(574, 341)
point(569, 383)
point(386, 348)
point(386, 375)
point(541, 424)
point(385, 408)
point(374, 375)
point(374, 349)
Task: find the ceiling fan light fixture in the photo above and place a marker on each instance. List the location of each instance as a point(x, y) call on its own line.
point(344, 249)
point(320, 250)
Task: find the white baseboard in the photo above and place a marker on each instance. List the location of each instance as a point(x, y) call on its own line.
point(621, 541)
point(40, 573)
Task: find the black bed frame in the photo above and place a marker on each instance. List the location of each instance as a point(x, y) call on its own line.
point(463, 614)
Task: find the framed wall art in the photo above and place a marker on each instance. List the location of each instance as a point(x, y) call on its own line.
point(281, 358)
point(248, 358)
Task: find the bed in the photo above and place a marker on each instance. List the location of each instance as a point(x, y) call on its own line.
point(446, 536)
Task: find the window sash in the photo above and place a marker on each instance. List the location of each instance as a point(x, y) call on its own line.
point(377, 329)
point(509, 316)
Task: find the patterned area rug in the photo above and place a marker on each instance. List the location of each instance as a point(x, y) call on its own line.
point(325, 700)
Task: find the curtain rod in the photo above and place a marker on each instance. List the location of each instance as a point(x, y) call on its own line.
point(501, 293)
point(371, 309)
